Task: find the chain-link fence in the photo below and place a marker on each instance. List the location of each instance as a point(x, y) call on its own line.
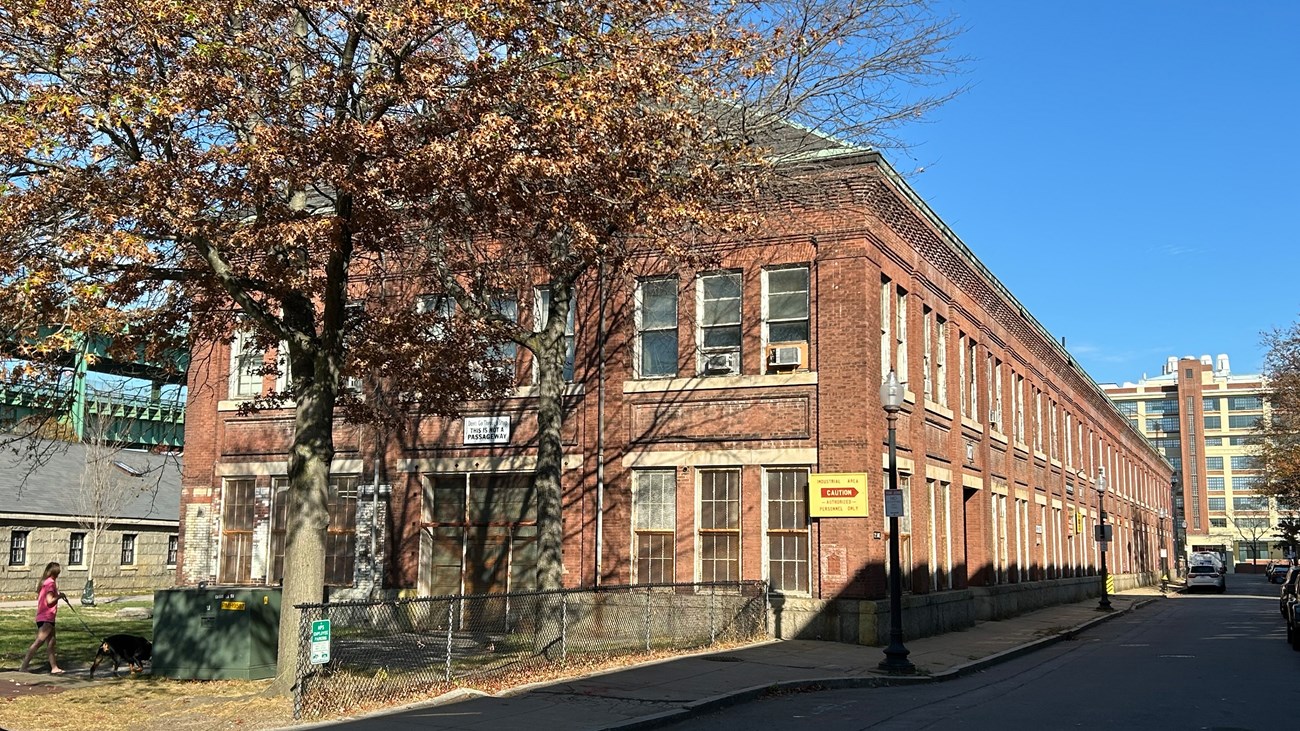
point(382, 652)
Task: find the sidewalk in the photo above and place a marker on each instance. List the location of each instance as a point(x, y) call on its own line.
point(660, 693)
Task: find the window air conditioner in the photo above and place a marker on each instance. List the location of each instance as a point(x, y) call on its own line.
point(785, 355)
point(995, 416)
point(720, 363)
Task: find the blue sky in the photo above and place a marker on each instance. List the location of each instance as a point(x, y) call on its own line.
point(1129, 170)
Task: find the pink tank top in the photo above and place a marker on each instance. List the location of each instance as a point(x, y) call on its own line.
point(46, 612)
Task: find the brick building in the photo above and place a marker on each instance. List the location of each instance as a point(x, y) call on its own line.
point(723, 390)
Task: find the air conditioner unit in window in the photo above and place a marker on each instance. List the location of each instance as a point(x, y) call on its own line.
point(785, 355)
point(721, 363)
point(995, 416)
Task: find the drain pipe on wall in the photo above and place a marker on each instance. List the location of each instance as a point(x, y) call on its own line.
point(600, 422)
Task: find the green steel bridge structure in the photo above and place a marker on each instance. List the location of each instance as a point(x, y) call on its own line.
point(140, 418)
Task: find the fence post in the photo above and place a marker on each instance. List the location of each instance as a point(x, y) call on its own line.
point(300, 674)
point(647, 619)
point(564, 627)
point(451, 606)
point(713, 608)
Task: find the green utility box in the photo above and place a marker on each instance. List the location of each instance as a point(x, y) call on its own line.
point(216, 632)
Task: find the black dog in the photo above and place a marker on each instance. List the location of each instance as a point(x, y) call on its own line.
point(130, 649)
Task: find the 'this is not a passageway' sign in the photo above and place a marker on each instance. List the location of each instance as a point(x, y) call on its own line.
point(837, 495)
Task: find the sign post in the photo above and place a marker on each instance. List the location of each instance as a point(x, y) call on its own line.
point(320, 642)
point(894, 507)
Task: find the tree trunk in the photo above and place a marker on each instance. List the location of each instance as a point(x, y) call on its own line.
point(550, 353)
point(304, 551)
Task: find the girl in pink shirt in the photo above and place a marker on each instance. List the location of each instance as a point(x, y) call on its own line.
point(47, 607)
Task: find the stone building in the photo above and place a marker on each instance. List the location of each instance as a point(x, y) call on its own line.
point(723, 392)
point(46, 515)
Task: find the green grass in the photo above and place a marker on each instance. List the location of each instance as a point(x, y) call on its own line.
point(76, 647)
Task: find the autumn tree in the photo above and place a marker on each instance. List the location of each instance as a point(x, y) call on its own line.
point(295, 174)
point(105, 490)
point(1277, 434)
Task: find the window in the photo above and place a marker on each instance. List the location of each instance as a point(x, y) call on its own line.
point(1214, 441)
point(1210, 404)
point(340, 534)
point(1242, 462)
point(18, 548)
point(1162, 406)
point(1240, 441)
point(1242, 421)
point(785, 305)
point(657, 328)
point(1247, 482)
point(173, 548)
point(128, 549)
point(654, 509)
point(719, 336)
point(1250, 550)
point(1245, 403)
point(1249, 502)
point(541, 313)
point(787, 530)
point(1018, 403)
point(1214, 463)
point(969, 396)
point(1218, 503)
point(1213, 422)
point(1038, 420)
point(501, 356)
point(1166, 424)
point(1218, 522)
point(246, 366)
point(1214, 484)
point(941, 360)
point(929, 368)
point(237, 505)
point(995, 394)
point(1127, 408)
point(893, 330)
point(719, 525)
point(77, 549)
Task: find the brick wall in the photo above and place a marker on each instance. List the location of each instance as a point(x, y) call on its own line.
point(864, 226)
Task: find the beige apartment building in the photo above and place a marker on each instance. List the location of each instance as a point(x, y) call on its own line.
point(1201, 415)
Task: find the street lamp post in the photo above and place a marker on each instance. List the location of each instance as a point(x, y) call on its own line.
point(895, 662)
point(1104, 604)
point(1160, 541)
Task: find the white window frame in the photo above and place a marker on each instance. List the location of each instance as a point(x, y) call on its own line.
point(702, 352)
point(641, 330)
point(541, 313)
point(768, 320)
point(244, 360)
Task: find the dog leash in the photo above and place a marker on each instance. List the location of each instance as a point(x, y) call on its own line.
point(83, 622)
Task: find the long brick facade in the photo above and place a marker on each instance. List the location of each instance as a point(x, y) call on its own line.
point(706, 464)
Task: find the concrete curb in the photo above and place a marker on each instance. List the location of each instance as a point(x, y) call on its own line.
point(744, 695)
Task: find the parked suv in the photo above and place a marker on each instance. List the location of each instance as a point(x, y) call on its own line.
point(1206, 576)
point(1288, 589)
point(1291, 610)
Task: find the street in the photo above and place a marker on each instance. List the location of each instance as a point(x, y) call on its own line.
point(1191, 661)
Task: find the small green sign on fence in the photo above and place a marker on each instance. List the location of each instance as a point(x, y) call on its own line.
point(320, 641)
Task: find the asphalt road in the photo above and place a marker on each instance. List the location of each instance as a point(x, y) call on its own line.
point(1200, 661)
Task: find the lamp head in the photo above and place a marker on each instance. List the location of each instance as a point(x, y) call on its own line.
point(1101, 480)
point(891, 393)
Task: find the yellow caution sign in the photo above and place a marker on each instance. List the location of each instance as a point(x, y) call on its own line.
point(837, 495)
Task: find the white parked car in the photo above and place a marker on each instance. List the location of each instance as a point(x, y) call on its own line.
point(1206, 576)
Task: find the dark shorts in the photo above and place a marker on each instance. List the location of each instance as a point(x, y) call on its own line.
point(42, 624)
